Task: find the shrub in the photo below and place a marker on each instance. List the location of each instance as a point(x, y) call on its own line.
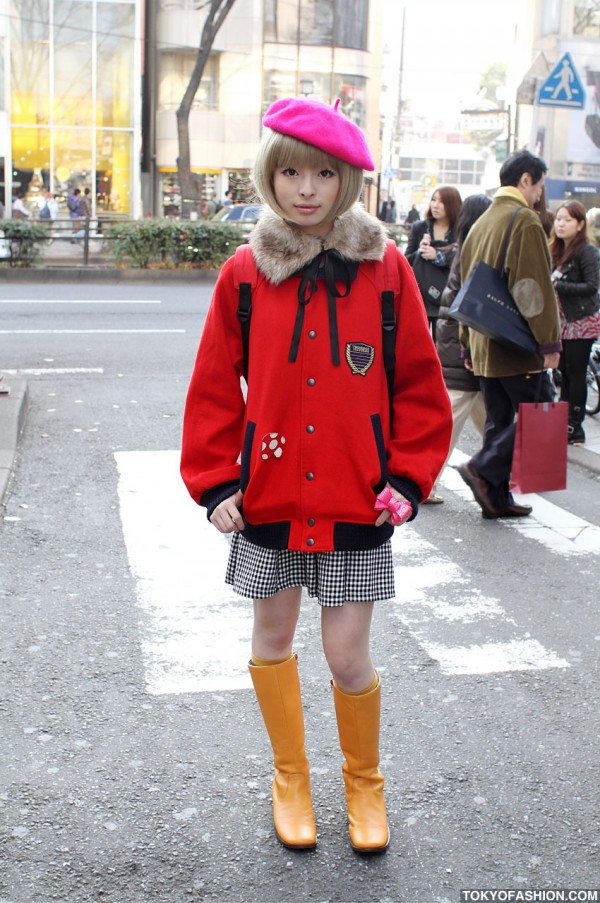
point(25, 240)
point(168, 243)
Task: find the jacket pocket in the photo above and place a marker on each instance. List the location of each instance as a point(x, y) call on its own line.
point(246, 455)
point(381, 455)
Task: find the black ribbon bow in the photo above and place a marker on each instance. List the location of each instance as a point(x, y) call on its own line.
point(330, 266)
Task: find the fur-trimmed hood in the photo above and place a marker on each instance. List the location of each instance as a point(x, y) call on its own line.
point(281, 248)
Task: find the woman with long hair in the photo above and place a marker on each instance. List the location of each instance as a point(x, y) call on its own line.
point(575, 277)
point(431, 247)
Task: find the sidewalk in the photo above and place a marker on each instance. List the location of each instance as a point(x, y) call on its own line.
point(13, 411)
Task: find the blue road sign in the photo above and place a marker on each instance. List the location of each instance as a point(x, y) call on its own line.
point(563, 87)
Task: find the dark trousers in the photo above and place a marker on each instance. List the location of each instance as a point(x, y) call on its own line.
point(573, 370)
point(502, 397)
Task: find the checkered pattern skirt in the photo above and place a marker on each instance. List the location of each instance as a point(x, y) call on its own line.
point(331, 577)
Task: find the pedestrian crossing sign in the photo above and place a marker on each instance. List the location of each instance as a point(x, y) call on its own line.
point(563, 87)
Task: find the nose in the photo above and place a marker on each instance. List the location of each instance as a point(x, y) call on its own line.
point(307, 187)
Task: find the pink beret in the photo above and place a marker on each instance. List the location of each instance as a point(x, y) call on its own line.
point(322, 126)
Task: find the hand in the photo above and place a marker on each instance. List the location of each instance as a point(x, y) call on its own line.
point(469, 364)
point(386, 515)
point(551, 361)
point(227, 517)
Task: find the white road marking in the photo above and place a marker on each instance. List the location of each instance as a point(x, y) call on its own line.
point(441, 608)
point(82, 331)
point(53, 371)
point(78, 301)
point(549, 524)
point(197, 632)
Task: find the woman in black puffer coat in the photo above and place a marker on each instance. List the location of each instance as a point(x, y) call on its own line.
point(462, 385)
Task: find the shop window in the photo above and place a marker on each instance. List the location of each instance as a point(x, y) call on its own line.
point(72, 63)
point(114, 85)
point(29, 63)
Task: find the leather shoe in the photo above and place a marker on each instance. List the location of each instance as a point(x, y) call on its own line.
point(513, 510)
point(478, 487)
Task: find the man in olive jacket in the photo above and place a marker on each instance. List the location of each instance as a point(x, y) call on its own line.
point(506, 377)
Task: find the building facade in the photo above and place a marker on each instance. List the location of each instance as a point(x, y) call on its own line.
point(266, 49)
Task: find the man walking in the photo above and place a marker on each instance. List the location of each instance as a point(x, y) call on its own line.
point(507, 377)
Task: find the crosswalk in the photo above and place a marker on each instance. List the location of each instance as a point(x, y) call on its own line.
point(196, 632)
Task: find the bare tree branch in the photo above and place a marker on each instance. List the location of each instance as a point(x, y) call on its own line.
point(216, 15)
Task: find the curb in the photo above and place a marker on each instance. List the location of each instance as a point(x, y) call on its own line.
point(13, 412)
point(66, 273)
point(579, 454)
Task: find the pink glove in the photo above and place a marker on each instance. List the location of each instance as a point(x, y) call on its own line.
point(400, 510)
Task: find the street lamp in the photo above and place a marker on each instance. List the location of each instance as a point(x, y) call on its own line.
point(307, 86)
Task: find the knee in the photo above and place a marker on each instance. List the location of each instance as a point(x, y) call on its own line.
point(350, 671)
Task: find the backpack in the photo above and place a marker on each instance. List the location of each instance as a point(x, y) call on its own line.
point(245, 277)
point(45, 212)
point(73, 204)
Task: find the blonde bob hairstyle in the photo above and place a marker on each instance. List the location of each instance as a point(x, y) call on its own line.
point(278, 151)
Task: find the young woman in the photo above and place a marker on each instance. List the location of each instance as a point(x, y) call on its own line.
point(431, 247)
point(312, 471)
point(575, 277)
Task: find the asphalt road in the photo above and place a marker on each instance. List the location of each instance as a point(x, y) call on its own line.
point(112, 789)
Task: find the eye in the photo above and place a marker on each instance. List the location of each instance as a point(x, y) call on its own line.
point(289, 171)
point(327, 173)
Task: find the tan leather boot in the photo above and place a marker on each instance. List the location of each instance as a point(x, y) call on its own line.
point(277, 689)
point(358, 728)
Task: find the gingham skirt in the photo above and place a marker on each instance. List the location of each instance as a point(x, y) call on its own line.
point(331, 577)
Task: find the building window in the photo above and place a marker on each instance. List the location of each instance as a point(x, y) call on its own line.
point(175, 72)
point(2, 102)
point(586, 18)
point(352, 91)
point(341, 23)
point(551, 17)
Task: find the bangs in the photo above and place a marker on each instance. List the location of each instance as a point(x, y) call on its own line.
point(288, 151)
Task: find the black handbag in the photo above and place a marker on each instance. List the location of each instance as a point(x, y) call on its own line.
point(485, 303)
point(432, 279)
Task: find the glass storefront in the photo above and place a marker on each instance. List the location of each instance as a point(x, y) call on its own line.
point(73, 100)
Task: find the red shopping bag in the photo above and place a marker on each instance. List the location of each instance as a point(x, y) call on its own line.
point(540, 456)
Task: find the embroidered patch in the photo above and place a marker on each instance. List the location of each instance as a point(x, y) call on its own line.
point(272, 446)
point(359, 356)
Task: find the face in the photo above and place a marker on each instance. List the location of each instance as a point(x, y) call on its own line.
point(566, 226)
point(531, 191)
point(438, 211)
point(307, 196)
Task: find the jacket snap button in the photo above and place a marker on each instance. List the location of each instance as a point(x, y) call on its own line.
point(310, 428)
point(312, 334)
point(310, 542)
point(311, 381)
point(311, 521)
point(310, 476)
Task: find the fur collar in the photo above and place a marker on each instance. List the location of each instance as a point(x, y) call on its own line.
point(281, 249)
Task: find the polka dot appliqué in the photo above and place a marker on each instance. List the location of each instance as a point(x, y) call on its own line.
point(272, 446)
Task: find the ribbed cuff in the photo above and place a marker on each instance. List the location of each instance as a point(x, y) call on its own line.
point(409, 490)
point(213, 497)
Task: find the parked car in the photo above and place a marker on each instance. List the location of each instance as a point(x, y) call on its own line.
point(243, 215)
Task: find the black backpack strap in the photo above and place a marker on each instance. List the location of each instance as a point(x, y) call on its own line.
point(245, 276)
point(391, 287)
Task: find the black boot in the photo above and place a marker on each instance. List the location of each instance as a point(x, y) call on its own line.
point(575, 432)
